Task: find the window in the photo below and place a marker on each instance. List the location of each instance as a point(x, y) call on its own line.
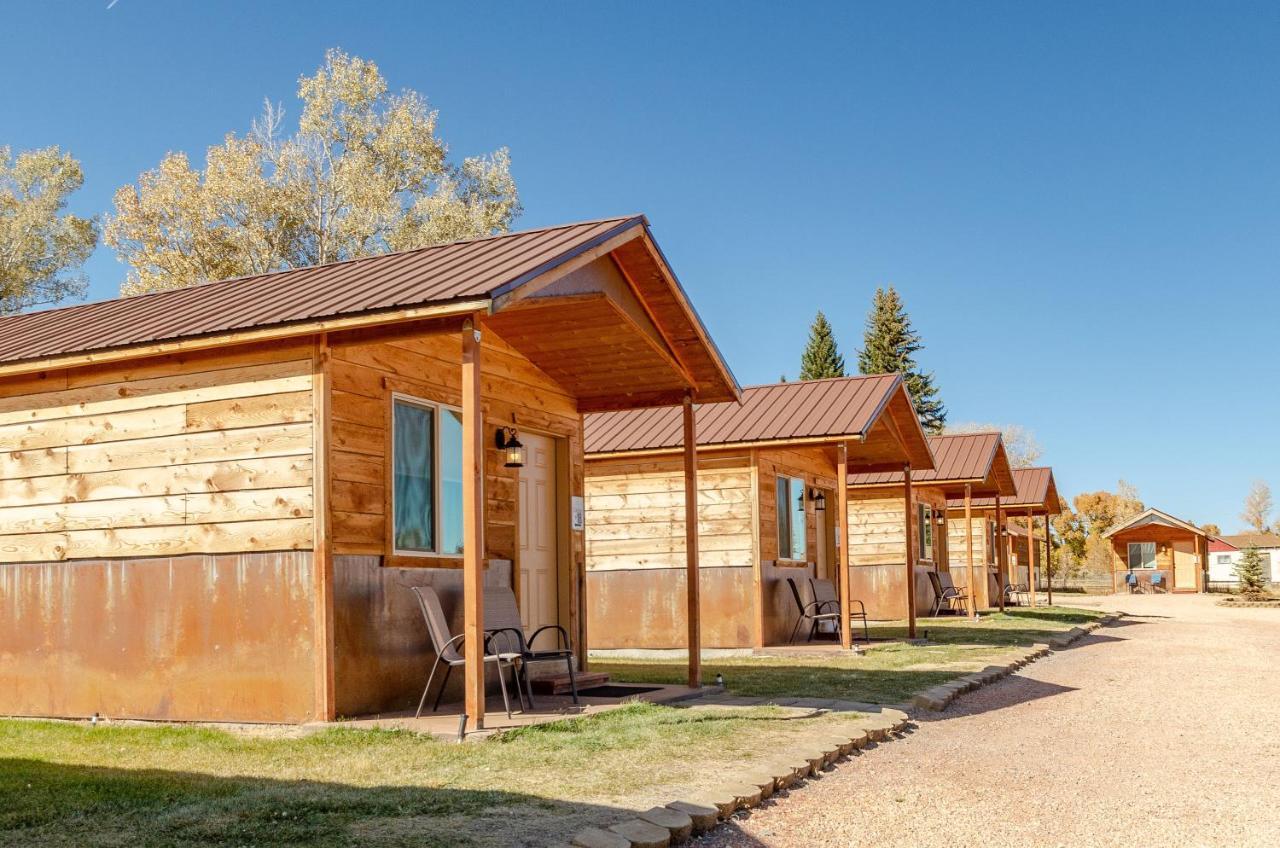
point(791, 519)
point(1224, 559)
point(924, 521)
point(1142, 554)
point(426, 446)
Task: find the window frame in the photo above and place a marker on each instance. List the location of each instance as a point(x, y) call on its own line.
point(437, 410)
point(1155, 552)
point(924, 530)
point(786, 525)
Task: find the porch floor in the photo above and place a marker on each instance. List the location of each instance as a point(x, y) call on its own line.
point(549, 708)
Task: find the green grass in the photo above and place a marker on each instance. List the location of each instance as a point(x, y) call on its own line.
point(69, 784)
point(886, 674)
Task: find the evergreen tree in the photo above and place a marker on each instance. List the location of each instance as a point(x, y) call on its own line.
point(1249, 571)
point(889, 347)
point(821, 358)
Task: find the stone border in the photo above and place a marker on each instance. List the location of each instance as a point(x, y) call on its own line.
point(678, 821)
point(1229, 602)
point(939, 697)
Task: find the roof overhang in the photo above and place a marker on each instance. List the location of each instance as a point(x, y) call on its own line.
point(1153, 517)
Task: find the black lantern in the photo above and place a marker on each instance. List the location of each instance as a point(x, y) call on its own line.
point(512, 451)
point(819, 500)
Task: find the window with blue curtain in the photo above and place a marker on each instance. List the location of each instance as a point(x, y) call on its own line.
point(413, 449)
point(791, 519)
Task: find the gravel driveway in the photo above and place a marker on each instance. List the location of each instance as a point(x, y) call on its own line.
point(1163, 730)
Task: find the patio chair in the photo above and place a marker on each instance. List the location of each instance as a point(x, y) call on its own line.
point(946, 593)
point(811, 612)
point(824, 594)
point(1012, 591)
point(502, 622)
point(1157, 582)
point(1131, 580)
point(449, 651)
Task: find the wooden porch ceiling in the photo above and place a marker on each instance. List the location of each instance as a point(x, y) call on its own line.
point(590, 345)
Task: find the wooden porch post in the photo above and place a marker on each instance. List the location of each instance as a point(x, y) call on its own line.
point(1048, 557)
point(968, 542)
point(694, 612)
point(1031, 557)
point(842, 540)
point(999, 553)
point(910, 550)
point(472, 527)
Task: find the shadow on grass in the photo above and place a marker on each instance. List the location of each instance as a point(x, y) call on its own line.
point(1015, 627)
point(55, 804)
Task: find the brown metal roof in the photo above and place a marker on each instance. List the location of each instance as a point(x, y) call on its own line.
point(842, 407)
point(460, 271)
point(967, 456)
point(1035, 489)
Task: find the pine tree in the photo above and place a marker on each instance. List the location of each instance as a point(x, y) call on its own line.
point(889, 347)
point(821, 358)
point(1249, 571)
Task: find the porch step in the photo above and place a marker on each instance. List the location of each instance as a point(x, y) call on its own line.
point(558, 684)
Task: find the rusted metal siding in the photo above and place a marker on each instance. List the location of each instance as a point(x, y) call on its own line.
point(382, 652)
point(646, 608)
point(845, 406)
point(882, 588)
point(209, 638)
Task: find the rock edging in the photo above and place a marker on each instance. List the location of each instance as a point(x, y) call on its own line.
point(684, 818)
point(939, 697)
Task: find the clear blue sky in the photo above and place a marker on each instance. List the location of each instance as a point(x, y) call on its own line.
point(1079, 201)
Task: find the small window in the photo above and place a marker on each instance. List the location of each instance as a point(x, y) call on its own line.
point(924, 518)
point(1224, 559)
point(791, 519)
point(1142, 554)
point(426, 446)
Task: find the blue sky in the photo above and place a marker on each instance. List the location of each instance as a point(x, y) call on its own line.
point(1079, 201)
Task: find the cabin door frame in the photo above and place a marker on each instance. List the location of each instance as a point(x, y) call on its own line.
point(825, 553)
point(558, 509)
point(1185, 566)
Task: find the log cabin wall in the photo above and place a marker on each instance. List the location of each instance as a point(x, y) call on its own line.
point(635, 552)
point(155, 536)
point(877, 545)
point(382, 652)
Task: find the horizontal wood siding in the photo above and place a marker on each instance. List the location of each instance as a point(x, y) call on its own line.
point(368, 366)
point(636, 519)
point(816, 466)
point(877, 535)
point(196, 454)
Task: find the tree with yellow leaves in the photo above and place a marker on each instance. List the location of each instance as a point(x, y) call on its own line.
point(364, 174)
point(40, 245)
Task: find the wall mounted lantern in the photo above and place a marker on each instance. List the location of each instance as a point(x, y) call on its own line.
point(508, 440)
point(819, 500)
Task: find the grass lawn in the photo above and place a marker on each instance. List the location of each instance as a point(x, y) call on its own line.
point(70, 784)
point(887, 674)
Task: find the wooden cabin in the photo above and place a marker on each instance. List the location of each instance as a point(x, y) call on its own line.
point(1155, 543)
point(768, 507)
point(884, 533)
point(998, 522)
point(214, 500)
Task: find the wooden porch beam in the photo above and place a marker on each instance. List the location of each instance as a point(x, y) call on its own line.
point(968, 539)
point(1048, 558)
point(910, 551)
point(692, 587)
point(1031, 557)
point(1000, 553)
point(842, 543)
point(472, 528)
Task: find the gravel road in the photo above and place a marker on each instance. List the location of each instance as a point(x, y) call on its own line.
point(1161, 731)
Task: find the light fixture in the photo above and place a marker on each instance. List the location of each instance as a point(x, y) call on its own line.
point(508, 440)
point(941, 520)
point(819, 499)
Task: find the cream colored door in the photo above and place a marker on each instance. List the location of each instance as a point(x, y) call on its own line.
point(1184, 565)
point(822, 545)
point(537, 526)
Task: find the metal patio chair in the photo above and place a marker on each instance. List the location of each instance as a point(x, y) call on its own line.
point(824, 594)
point(946, 593)
point(811, 612)
point(1157, 582)
point(502, 623)
point(449, 651)
point(1131, 580)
